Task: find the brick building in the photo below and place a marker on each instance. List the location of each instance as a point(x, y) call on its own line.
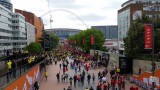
point(35, 21)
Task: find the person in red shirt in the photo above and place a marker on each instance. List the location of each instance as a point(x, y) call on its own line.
point(105, 86)
point(113, 83)
point(136, 88)
point(100, 84)
point(79, 66)
point(119, 84)
point(132, 88)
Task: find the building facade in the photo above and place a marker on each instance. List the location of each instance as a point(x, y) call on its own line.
point(7, 4)
point(30, 33)
point(62, 33)
point(5, 29)
point(12, 30)
point(19, 31)
point(130, 11)
point(111, 45)
point(110, 32)
point(35, 21)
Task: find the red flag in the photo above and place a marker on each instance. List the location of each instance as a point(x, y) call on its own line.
point(148, 36)
point(92, 40)
point(75, 41)
point(83, 41)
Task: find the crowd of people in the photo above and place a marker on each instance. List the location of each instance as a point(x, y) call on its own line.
point(81, 65)
point(69, 60)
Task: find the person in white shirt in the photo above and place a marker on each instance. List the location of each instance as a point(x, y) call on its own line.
point(104, 79)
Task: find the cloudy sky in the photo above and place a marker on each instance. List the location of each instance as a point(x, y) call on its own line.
point(79, 14)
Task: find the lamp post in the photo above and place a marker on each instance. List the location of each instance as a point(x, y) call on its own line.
point(153, 65)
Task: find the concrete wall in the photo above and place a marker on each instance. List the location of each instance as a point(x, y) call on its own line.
point(113, 61)
point(145, 65)
point(113, 58)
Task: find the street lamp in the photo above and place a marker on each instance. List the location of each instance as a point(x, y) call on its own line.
point(153, 63)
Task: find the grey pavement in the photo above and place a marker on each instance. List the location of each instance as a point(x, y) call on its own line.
point(52, 84)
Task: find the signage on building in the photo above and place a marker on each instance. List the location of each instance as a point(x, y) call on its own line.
point(148, 36)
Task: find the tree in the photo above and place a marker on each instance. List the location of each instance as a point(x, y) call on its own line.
point(134, 42)
point(34, 47)
point(54, 40)
point(83, 39)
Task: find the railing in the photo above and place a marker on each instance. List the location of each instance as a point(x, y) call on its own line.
point(9, 76)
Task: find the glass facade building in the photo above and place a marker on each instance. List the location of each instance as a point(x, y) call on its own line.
point(110, 32)
point(7, 4)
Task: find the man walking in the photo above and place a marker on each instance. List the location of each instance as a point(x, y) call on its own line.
point(88, 78)
point(75, 80)
point(36, 85)
point(58, 76)
point(14, 68)
point(70, 81)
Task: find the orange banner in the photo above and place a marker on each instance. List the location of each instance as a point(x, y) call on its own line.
point(26, 81)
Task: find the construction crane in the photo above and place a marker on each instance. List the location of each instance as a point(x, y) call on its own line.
point(50, 14)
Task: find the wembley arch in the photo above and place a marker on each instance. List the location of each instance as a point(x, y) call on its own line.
point(64, 10)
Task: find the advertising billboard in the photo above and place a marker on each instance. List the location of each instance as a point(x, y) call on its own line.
point(26, 81)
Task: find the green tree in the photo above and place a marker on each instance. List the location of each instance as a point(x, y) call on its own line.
point(34, 47)
point(83, 39)
point(54, 40)
point(134, 42)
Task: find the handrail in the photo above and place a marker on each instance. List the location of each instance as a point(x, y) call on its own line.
point(8, 77)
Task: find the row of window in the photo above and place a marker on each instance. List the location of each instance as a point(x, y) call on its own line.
point(19, 38)
point(5, 31)
point(10, 32)
point(9, 13)
point(9, 44)
point(19, 43)
point(148, 2)
point(15, 21)
point(13, 38)
point(148, 8)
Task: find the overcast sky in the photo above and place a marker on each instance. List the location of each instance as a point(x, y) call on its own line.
point(79, 14)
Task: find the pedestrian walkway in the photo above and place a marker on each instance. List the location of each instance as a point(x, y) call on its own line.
point(52, 84)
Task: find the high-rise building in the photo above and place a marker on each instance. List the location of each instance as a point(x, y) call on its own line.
point(12, 31)
point(109, 31)
point(7, 4)
point(35, 21)
point(131, 10)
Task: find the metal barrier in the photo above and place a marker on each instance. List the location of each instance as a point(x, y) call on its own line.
point(16, 73)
